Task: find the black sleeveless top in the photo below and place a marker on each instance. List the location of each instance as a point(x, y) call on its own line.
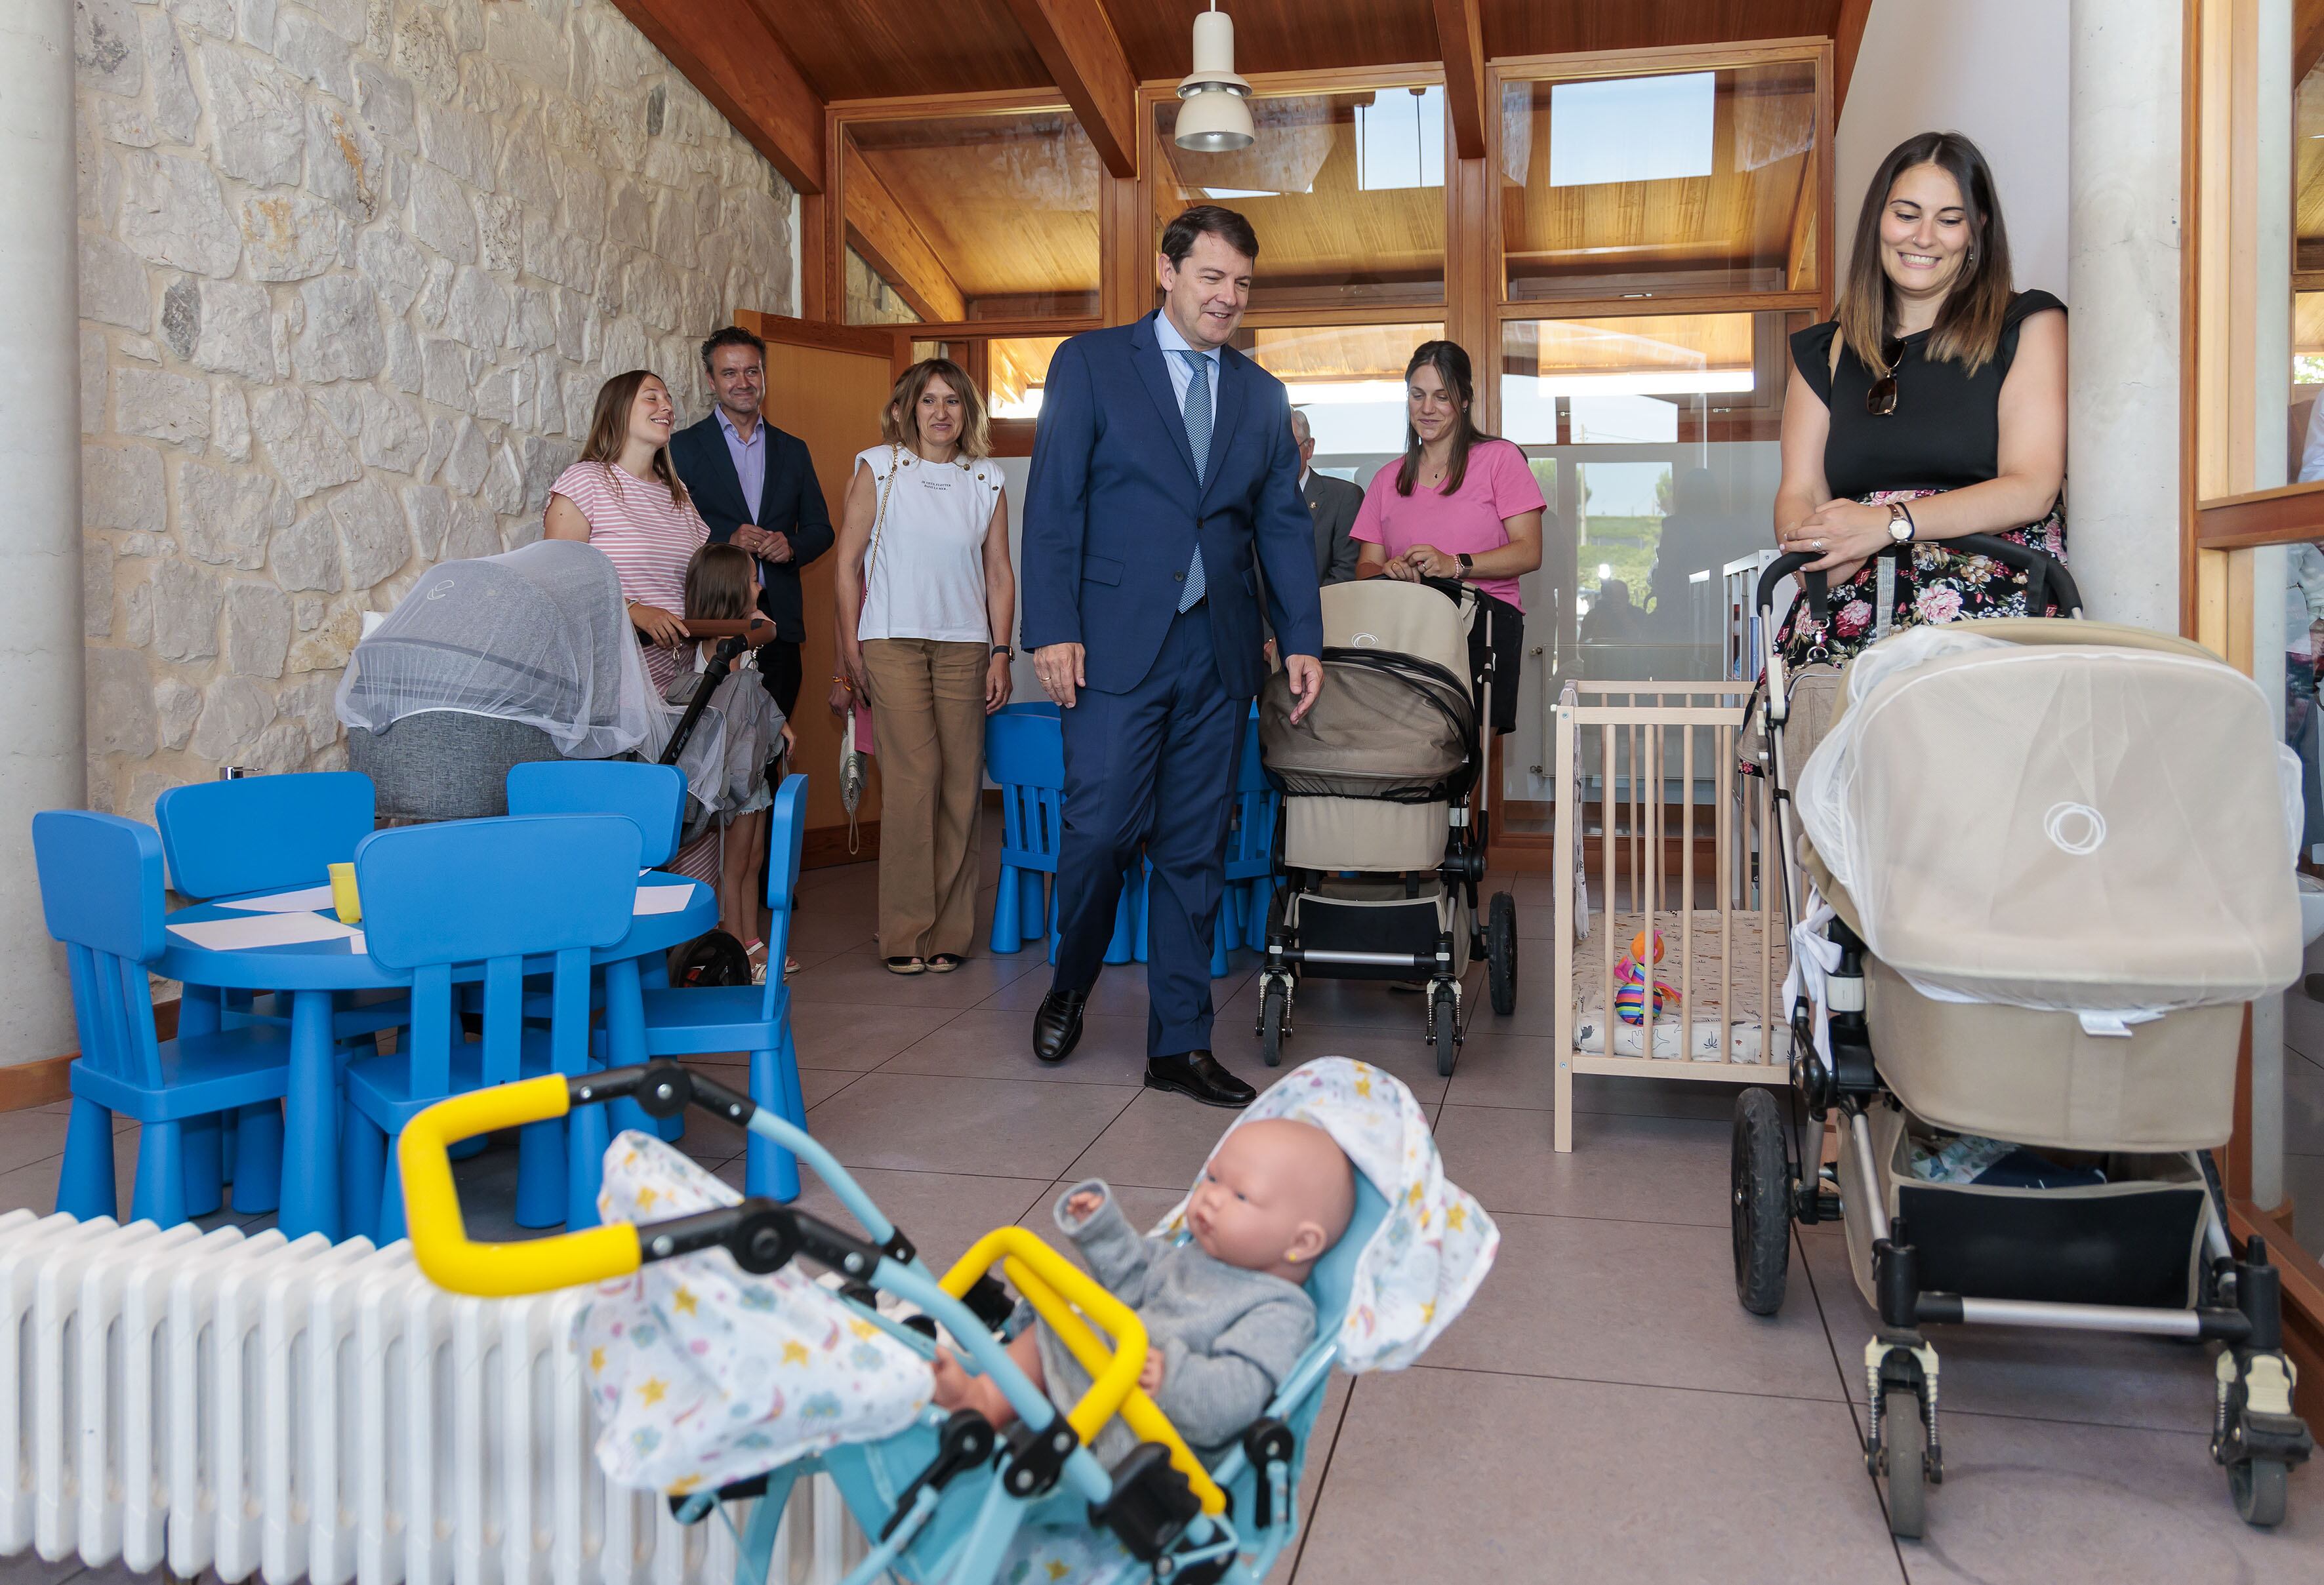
point(1945, 432)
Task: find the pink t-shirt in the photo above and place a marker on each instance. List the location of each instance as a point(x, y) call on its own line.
point(1498, 484)
point(647, 536)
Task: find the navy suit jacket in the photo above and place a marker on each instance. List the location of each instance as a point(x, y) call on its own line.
point(1112, 513)
point(792, 505)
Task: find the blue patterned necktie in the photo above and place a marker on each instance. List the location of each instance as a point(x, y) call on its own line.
point(1198, 437)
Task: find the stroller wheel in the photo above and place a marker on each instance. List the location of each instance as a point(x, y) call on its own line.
point(2257, 1486)
point(1274, 1003)
point(1444, 1029)
point(1501, 952)
point(1902, 1463)
point(1759, 1210)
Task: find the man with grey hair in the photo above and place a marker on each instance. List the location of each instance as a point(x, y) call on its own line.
point(1331, 503)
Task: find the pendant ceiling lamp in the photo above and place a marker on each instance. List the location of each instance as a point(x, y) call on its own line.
point(1214, 109)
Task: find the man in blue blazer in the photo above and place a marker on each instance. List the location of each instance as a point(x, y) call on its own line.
point(1165, 479)
point(755, 485)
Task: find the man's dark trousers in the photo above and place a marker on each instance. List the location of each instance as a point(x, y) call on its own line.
point(1154, 765)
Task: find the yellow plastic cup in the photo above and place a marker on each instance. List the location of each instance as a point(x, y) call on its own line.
point(344, 900)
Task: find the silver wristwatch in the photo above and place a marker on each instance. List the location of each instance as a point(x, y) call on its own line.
point(1900, 523)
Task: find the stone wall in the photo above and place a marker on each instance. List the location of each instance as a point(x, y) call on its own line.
point(352, 271)
point(871, 300)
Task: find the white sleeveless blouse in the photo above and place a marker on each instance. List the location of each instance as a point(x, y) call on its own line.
point(927, 560)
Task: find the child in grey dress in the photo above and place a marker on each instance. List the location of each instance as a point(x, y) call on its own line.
point(1225, 1314)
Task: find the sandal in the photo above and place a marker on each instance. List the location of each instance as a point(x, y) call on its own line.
point(907, 966)
point(755, 953)
point(943, 963)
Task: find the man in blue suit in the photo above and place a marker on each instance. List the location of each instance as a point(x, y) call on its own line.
point(1163, 468)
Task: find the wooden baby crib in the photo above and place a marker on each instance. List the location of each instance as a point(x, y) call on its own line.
point(1656, 822)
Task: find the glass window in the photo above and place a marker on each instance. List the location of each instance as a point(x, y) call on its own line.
point(1018, 367)
point(1656, 440)
point(1348, 380)
point(2304, 439)
point(1346, 192)
point(1682, 183)
point(974, 217)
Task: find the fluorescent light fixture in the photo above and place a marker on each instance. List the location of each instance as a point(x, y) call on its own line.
point(1240, 192)
point(1631, 129)
point(1400, 140)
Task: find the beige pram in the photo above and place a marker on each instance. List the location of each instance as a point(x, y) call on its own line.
point(1385, 794)
point(2041, 866)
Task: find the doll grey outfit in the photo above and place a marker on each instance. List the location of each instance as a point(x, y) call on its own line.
point(1228, 1336)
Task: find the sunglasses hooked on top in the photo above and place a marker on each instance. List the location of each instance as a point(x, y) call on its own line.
point(1881, 400)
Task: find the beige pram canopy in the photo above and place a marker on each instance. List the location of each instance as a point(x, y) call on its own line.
point(2064, 816)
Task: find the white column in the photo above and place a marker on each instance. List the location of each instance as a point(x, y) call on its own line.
point(2122, 277)
point(42, 734)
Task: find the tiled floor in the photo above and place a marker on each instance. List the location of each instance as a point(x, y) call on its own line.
point(1604, 1411)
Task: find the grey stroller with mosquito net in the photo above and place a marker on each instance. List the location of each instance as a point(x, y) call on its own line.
point(2034, 869)
point(1386, 787)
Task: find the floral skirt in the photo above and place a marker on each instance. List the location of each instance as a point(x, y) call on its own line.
point(1931, 586)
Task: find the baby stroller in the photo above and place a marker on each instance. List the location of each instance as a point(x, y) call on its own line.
point(721, 1381)
point(1386, 785)
point(2034, 869)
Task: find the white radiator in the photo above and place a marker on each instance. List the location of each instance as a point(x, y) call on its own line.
point(254, 1406)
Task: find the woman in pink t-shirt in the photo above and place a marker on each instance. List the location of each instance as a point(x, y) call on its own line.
point(1461, 504)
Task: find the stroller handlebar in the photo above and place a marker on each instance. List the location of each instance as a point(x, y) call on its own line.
point(2045, 573)
point(1055, 1289)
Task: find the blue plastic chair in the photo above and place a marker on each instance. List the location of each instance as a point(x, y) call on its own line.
point(101, 894)
point(654, 796)
point(491, 893)
point(1250, 867)
point(702, 1021)
point(257, 834)
point(1025, 752)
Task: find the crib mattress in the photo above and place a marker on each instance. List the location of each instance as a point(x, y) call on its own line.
point(1705, 1029)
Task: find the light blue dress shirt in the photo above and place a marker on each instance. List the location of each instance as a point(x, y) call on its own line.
point(750, 459)
point(1182, 378)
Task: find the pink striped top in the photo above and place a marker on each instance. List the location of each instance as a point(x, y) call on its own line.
point(648, 537)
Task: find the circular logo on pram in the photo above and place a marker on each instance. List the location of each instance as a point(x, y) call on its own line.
point(1365, 640)
point(2075, 828)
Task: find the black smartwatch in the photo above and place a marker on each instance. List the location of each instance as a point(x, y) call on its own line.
point(1468, 563)
point(1002, 649)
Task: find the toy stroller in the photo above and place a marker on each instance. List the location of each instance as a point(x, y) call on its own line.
point(1386, 787)
point(2035, 868)
point(687, 1357)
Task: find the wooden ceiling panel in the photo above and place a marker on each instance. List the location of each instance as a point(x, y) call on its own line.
point(1281, 35)
point(1554, 27)
point(870, 50)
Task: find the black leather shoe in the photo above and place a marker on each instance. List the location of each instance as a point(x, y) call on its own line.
point(1198, 1074)
point(1058, 1026)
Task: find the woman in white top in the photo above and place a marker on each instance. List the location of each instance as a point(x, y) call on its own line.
point(923, 637)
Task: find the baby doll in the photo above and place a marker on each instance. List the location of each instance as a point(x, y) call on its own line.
point(1226, 1316)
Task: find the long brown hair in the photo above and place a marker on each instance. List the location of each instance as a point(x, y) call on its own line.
point(899, 420)
point(1451, 366)
point(721, 584)
point(1968, 324)
point(609, 431)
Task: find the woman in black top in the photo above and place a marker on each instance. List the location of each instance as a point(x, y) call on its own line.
point(1934, 405)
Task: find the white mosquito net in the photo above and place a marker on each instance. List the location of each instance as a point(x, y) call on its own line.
point(538, 635)
point(2092, 827)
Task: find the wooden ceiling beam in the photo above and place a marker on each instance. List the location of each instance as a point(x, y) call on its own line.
point(731, 52)
point(1461, 43)
point(2307, 41)
point(1847, 39)
point(879, 228)
point(1078, 44)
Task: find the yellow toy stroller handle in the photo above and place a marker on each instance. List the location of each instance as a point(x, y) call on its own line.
point(1057, 1289)
point(431, 1204)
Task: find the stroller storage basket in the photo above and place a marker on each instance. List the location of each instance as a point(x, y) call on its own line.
point(2136, 1239)
point(1394, 727)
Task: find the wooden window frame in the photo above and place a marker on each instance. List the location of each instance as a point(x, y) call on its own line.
point(2222, 519)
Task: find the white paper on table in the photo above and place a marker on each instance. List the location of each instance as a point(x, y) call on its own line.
point(662, 899)
point(305, 900)
point(256, 930)
point(355, 943)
